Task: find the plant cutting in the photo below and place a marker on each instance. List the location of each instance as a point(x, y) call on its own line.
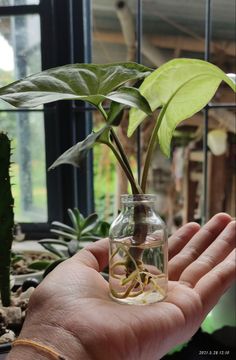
point(176, 90)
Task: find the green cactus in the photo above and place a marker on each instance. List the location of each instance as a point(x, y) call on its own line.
point(6, 219)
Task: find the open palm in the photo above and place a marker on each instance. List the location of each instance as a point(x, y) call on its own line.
point(77, 316)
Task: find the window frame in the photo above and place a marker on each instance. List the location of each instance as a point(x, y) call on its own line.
point(67, 187)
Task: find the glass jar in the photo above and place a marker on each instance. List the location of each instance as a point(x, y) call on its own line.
point(138, 252)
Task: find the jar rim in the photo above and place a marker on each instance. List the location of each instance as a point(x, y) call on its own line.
point(138, 197)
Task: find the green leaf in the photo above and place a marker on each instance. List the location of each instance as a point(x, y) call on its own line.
point(63, 234)
point(16, 258)
point(78, 152)
point(183, 87)
point(53, 242)
point(64, 227)
point(39, 265)
point(115, 113)
point(90, 222)
point(87, 82)
point(103, 229)
point(130, 96)
point(51, 248)
point(74, 216)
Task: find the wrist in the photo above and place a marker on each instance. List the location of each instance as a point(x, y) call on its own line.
point(25, 353)
point(55, 338)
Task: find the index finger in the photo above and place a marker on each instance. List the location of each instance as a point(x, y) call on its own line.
point(199, 242)
point(181, 237)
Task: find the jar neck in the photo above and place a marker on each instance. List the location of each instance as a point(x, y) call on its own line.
point(148, 200)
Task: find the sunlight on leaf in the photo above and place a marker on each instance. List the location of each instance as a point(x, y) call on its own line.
point(184, 87)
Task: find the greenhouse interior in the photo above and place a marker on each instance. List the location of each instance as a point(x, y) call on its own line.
point(117, 179)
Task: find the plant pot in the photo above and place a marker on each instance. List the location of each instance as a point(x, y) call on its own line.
point(4, 350)
point(138, 252)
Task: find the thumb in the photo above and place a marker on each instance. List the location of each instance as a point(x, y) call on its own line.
point(94, 255)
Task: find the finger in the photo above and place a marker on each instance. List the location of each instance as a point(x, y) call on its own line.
point(212, 256)
point(181, 237)
point(94, 255)
point(199, 242)
point(214, 284)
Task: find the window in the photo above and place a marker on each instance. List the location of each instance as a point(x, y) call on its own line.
point(20, 41)
point(36, 35)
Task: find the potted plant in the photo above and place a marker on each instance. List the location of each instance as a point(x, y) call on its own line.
point(177, 90)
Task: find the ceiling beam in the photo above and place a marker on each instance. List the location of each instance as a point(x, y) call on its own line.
point(171, 42)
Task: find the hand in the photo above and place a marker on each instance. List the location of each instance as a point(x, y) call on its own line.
point(71, 309)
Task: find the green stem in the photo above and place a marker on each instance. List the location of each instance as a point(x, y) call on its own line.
point(151, 147)
point(121, 156)
point(117, 142)
point(121, 151)
point(134, 186)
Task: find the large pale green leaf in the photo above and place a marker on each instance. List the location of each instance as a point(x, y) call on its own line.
point(88, 82)
point(183, 87)
point(77, 152)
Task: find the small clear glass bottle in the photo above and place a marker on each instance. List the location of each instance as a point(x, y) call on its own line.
point(138, 252)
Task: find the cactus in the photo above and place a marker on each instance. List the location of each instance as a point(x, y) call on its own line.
point(6, 218)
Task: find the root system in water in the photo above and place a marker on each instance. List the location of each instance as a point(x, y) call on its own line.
point(137, 279)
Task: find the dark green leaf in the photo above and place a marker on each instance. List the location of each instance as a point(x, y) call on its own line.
point(52, 248)
point(39, 265)
point(74, 216)
point(87, 82)
point(53, 242)
point(63, 234)
point(90, 223)
point(76, 153)
point(103, 229)
point(80, 220)
point(130, 96)
point(16, 258)
point(63, 227)
point(115, 113)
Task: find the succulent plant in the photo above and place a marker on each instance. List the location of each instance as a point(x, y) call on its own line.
point(82, 229)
